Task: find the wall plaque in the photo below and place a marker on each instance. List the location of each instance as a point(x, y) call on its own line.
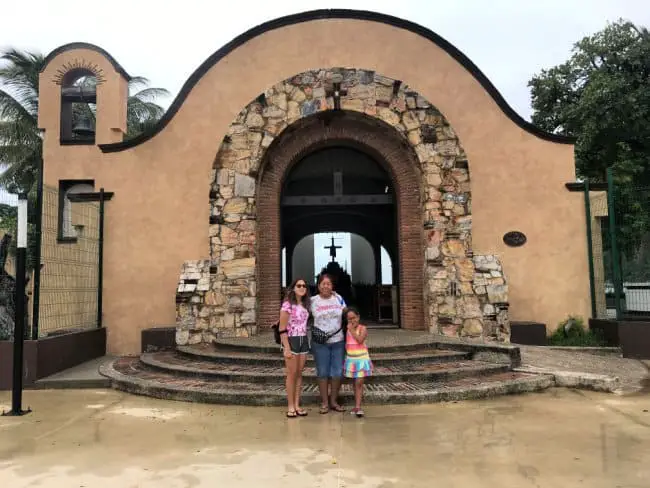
point(514, 238)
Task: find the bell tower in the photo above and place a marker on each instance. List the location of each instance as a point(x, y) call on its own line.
point(82, 97)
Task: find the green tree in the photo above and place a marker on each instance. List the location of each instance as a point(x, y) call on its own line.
point(601, 96)
point(20, 141)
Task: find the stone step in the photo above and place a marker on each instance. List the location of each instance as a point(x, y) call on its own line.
point(412, 372)
point(233, 356)
point(131, 375)
point(264, 343)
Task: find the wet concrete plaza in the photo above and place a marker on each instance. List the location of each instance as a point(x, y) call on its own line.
point(103, 438)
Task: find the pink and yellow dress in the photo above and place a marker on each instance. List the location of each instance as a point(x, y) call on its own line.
point(357, 359)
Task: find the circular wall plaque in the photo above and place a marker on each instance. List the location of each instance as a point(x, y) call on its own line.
point(514, 238)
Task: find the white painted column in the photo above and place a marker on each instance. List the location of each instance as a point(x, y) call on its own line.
point(363, 260)
point(302, 264)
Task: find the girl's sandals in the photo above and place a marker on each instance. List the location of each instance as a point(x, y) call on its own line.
point(357, 411)
point(323, 409)
point(301, 412)
point(337, 408)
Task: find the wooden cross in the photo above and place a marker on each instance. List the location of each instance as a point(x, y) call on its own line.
point(333, 249)
point(335, 92)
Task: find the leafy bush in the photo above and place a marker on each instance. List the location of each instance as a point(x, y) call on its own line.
point(572, 332)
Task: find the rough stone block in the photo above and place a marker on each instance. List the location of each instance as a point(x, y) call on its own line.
point(497, 293)
point(248, 317)
point(472, 328)
point(239, 268)
point(235, 206)
point(182, 337)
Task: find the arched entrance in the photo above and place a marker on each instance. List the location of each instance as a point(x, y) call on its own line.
point(238, 290)
point(339, 188)
point(302, 190)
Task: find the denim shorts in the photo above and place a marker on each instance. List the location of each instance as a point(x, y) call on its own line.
point(329, 359)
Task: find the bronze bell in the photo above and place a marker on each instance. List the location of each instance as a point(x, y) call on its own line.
point(83, 128)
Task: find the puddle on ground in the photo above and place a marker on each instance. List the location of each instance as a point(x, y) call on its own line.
point(615, 402)
point(239, 469)
point(147, 413)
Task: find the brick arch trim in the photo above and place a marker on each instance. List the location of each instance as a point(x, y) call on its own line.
point(386, 145)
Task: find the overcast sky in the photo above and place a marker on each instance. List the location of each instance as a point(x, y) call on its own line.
point(509, 40)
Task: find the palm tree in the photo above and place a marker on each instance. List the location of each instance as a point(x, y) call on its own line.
point(21, 146)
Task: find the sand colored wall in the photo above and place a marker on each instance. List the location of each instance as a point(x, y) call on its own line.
point(158, 217)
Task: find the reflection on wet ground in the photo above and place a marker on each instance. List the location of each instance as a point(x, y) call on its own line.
point(104, 438)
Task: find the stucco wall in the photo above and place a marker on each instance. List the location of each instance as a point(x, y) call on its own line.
point(517, 178)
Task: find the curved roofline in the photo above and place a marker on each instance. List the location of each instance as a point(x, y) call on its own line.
point(91, 47)
point(323, 14)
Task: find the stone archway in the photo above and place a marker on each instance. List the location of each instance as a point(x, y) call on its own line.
point(443, 286)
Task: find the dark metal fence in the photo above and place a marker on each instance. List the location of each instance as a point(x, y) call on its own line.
point(68, 285)
point(618, 228)
point(64, 235)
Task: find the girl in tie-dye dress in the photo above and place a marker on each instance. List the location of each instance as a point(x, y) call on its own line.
point(357, 360)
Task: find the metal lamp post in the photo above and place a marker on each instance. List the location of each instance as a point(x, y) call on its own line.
point(19, 319)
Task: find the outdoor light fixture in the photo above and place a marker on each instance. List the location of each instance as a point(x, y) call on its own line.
point(22, 221)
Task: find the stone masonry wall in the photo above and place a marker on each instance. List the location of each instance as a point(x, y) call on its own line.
point(465, 295)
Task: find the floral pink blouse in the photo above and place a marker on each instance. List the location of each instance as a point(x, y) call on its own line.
point(298, 316)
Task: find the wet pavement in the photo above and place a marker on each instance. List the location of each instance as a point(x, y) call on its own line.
point(104, 438)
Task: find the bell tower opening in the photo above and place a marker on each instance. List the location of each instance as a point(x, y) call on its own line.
point(338, 216)
point(78, 107)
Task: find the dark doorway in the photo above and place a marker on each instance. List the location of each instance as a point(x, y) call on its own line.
point(342, 189)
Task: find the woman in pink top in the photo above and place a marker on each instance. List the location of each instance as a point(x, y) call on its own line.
point(295, 345)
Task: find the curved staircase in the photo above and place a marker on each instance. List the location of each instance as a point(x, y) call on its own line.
point(409, 368)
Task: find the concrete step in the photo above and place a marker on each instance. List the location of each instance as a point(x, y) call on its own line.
point(265, 344)
point(183, 365)
point(274, 358)
point(132, 375)
point(84, 375)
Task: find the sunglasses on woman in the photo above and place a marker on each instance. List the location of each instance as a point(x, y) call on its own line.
point(301, 285)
